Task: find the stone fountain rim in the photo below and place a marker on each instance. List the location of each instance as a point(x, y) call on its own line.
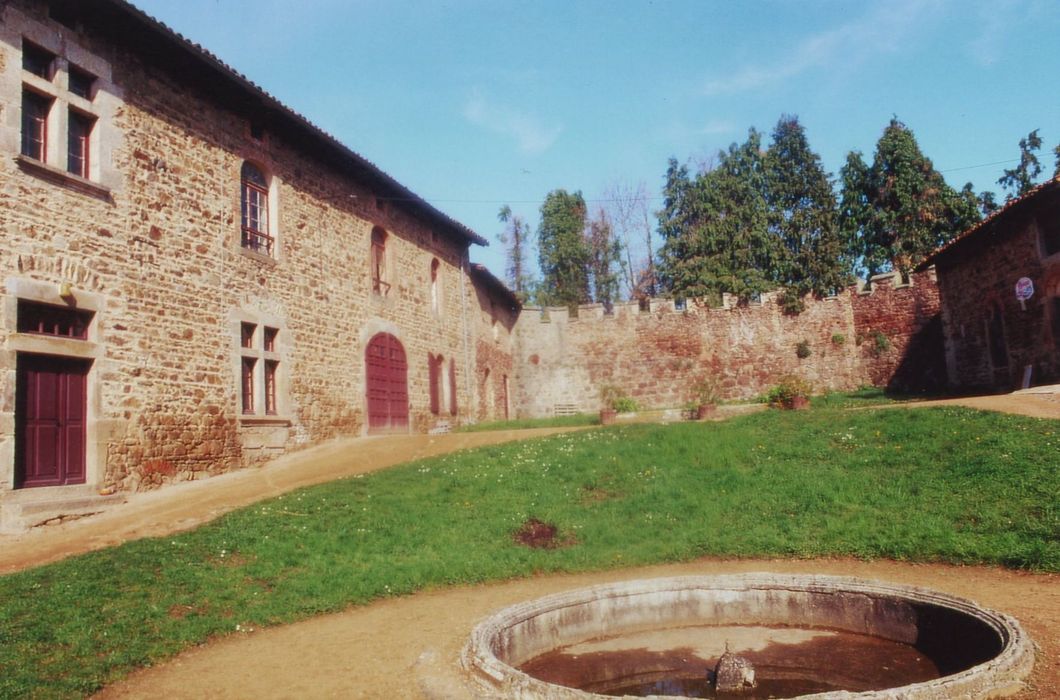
point(1011, 665)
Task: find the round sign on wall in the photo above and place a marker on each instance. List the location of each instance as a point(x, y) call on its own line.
point(1024, 288)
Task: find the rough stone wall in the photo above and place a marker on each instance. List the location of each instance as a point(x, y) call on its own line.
point(162, 250)
point(655, 356)
point(982, 276)
point(899, 332)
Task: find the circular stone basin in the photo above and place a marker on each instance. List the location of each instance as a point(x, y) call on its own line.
point(824, 637)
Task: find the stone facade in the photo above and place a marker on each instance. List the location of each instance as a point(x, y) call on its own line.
point(992, 339)
point(150, 244)
point(223, 272)
point(883, 335)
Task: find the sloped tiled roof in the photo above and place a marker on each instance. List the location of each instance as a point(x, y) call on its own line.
point(482, 274)
point(991, 223)
point(127, 25)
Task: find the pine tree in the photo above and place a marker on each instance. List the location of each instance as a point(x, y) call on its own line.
point(803, 217)
point(1020, 180)
point(562, 253)
point(715, 229)
point(900, 209)
point(515, 239)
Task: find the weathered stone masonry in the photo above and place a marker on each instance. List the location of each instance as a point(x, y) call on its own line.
point(151, 244)
point(205, 354)
point(884, 335)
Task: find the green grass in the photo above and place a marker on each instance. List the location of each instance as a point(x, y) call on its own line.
point(944, 484)
point(863, 397)
point(578, 420)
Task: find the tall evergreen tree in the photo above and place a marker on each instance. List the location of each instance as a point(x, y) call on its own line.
point(803, 217)
point(1020, 180)
point(1056, 151)
point(716, 229)
point(562, 253)
point(900, 209)
point(516, 238)
point(605, 253)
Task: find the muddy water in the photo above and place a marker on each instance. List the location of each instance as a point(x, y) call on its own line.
point(788, 661)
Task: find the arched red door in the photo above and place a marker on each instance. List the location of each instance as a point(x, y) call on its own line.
point(386, 371)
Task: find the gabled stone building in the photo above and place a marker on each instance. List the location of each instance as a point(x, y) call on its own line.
point(999, 285)
point(194, 278)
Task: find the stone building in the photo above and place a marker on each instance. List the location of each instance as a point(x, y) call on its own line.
point(999, 284)
point(195, 278)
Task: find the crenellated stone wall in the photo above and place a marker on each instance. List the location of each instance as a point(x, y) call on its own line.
point(881, 335)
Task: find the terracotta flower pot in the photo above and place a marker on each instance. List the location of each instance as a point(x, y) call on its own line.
point(607, 416)
point(799, 403)
point(705, 410)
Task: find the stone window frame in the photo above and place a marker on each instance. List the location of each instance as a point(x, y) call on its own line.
point(18, 290)
point(379, 262)
point(436, 286)
point(95, 175)
point(260, 367)
point(257, 241)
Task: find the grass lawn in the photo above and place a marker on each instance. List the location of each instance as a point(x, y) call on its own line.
point(522, 423)
point(945, 484)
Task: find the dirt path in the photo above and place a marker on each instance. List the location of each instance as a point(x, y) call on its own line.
point(1040, 402)
point(408, 647)
point(184, 506)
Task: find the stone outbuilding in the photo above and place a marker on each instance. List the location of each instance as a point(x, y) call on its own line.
point(999, 287)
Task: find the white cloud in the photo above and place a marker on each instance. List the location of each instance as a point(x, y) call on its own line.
point(531, 136)
point(882, 30)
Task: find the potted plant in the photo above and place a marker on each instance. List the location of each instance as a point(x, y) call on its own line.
point(791, 393)
point(614, 401)
point(704, 397)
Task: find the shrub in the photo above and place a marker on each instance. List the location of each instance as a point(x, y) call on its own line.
point(791, 302)
point(838, 339)
point(705, 391)
point(783, 395)
point(615, 398)
point(880, 343)
point(802, 349)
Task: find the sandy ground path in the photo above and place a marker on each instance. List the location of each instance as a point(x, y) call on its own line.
point(408, 647)
point(1039, 402)
point(184, 506)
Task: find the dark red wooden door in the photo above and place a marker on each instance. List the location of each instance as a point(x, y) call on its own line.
point(50, 411)
point(386, 370)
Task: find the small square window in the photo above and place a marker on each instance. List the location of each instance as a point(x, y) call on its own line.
point(246, 334)
point(257, 131)
point(36, 60)
point(81, 83)
point(269, 339)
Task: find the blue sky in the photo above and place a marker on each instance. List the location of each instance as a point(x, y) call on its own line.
point(476, 103)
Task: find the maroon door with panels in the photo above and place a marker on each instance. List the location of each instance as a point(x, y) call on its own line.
point(50, 412)
point(386, 371)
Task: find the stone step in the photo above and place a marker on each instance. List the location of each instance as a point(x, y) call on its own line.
point(27, 508)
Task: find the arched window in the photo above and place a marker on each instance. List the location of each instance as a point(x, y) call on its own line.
point(436, 292)
point(255, 210)
point(379, 283)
